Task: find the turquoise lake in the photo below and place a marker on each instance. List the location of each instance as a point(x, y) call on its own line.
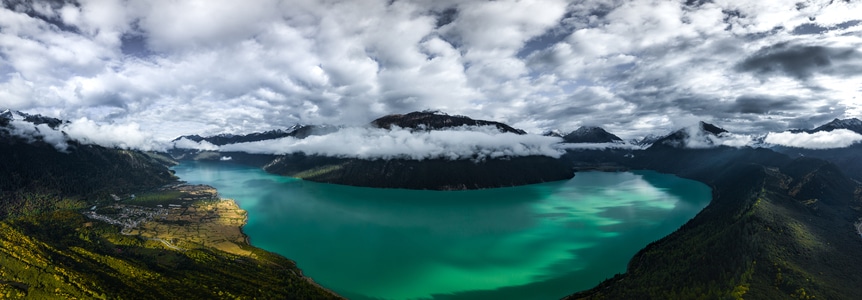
point(541, 241)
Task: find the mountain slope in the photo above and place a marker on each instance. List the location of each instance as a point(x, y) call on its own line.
point(35, 176)
point(49, 250)
point(430, 174)
point(700, 135)
point(776, 228)
point(853, 124)
point(848, 159)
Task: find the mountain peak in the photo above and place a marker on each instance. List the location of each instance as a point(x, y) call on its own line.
point(715, 130)
point(591, 134)
point(553, 133)
point(701, 135)
point(852, 124)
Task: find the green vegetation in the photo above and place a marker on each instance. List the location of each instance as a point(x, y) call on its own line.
point(62, 255)
point(771, 232)
point(156, 197)
point(318, 171)
point(35, 178)
point(19, 204)
point(49, 250)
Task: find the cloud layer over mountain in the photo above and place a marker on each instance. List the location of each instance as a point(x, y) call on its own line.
point(466, 142)
point(86, 131)
point(838, 138)
point(633, 67)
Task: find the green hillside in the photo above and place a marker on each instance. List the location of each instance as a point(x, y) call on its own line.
point(50, 250)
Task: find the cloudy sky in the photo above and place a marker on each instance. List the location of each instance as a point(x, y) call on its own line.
point(633, 67)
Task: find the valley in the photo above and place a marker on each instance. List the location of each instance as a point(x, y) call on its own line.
point(778, 225)
point(434, 150)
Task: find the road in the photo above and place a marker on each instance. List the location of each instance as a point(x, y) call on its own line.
point(167, 244)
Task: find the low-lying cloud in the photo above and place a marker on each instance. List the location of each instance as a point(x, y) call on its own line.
point(41, 132)
point(184, 143)
point(839, 138)
point(696, 138)
point(124, 136)
point(467, 142)
point(86, 131)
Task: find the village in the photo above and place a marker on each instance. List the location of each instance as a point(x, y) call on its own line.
point(181, 217)
point(129, 216)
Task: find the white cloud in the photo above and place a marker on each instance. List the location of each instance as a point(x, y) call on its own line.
point(839, 138)
point(125, 136)
point(184, 143)
point(697, 139)
point(476, 143)
point(179, 67)
point(86, 131)
point(32, 132)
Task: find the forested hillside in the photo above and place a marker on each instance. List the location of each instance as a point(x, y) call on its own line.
point(776, 228)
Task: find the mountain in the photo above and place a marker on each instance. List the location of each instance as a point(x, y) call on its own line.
point(429, 174)
point(297, 131)
point(591, 134)
point(552, 133)
point(853, 124)
point(50, 249)
point(8, 115)
point(776, 228)
point(647, 140)
point(435, 120)
point(433, 174)
point(700, 135)
point(35, 176)
point(848, 159)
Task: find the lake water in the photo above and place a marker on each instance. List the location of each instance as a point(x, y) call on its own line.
point(541, 241)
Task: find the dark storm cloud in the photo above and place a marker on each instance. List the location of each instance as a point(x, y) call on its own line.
point(446, 16)
point(763, 104)
point(801, 61)
point(135, 45)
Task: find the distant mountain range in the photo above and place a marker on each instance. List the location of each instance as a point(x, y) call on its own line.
point(435, 174)
point(8, 115)
point(436, 120)
point(853, 124)
point(298, 131)
point(700, 135)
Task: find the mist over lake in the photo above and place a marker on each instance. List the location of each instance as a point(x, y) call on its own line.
point(534, 241)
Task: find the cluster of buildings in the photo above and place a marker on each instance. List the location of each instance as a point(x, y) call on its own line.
point(129, 217)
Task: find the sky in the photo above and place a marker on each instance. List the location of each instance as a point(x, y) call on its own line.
point(170, 68)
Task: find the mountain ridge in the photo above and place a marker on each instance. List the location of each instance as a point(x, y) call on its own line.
point(436, 120)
